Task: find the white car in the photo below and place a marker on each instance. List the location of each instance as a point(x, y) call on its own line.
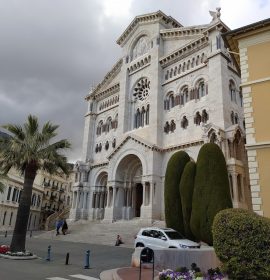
point(158, 238)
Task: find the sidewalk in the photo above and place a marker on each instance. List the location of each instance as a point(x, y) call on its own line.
point(128, 273)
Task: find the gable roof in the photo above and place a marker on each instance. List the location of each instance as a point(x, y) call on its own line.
point(158, 16)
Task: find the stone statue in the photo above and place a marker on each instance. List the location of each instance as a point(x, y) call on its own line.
point(215, 15)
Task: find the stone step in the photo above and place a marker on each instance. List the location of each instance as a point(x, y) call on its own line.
point(102, 233)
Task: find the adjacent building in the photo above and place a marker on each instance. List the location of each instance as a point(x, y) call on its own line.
point(174, 88)
point(250, 46)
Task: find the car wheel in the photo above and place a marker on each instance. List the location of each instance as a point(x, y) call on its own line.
point(171, 247)
point(139, 245)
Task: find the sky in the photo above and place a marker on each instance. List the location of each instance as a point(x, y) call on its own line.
point(53, 51)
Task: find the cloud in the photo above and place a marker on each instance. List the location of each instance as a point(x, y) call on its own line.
point(53, 51)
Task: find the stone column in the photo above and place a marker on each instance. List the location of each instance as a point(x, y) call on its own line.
point(144, 188)
point(151, 193)
point(235, 189)
point(114, 195)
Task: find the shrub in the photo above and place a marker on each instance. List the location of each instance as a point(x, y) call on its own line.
point(242, 242)
point(211, 191)
point(173, 207)
point(186, 192)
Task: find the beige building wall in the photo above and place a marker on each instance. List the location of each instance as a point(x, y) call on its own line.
point(254, 48)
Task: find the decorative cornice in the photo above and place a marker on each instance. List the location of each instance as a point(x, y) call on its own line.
point(147, 18)
point(139, 64)
point(108, 77)
point(99, 165)
point(183, 32)
point(184, 51)
point(107, 92)
point(153, 147)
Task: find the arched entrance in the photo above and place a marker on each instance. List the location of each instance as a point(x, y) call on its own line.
point(128, 188)
point(99, 198)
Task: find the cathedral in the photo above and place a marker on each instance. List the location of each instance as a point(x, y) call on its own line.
point(174, 88)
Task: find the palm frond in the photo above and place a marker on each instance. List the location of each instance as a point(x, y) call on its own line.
point(16, 130)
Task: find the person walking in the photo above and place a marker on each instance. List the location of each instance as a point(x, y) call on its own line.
point(59, 224)
point(64, 227)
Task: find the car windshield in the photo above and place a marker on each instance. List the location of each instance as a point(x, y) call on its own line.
point(174, 235)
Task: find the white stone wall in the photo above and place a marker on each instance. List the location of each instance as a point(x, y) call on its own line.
point(150, 143)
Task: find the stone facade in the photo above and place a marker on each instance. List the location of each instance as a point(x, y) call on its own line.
point(175, 88)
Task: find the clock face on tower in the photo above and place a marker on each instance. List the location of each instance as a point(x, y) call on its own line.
point(141, 90)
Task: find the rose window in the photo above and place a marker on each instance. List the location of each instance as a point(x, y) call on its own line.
point(141, 90)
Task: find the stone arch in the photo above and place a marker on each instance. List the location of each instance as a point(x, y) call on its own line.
point(129, 189)
point(140, 46)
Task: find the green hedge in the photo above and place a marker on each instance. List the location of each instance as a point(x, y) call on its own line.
point(242, 243)
point(173, 207)
point(186, 192)
point(211, 191)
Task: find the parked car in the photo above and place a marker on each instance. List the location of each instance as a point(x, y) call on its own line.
point(158, 238)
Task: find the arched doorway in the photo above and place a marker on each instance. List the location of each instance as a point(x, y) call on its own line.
point(99, 198)
point(129, 188)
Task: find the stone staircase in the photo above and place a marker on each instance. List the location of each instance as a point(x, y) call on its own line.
point(101, 232)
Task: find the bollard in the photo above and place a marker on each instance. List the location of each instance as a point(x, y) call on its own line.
point(87, 257)
point(30, 233)
point(67, 259)
point(49, 253)
point(6, 233)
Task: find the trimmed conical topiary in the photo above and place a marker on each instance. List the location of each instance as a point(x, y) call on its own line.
point(173, 207)
point(186, 193)
point(211, 191)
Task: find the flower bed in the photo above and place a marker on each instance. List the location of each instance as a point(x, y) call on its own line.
point(5, 253)
point(191, 274)
point(4, 249)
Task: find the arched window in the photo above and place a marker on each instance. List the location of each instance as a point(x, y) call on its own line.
point(232, 90)
point(10, 219)
point(172, 126)
point(184, 122)
point(116, 121)
point(198, 118)
point(171, 101)
point(108, 124)
point(107, 145)
point(197, 60)
point(184, 96)
point(167, 127)
point(213, 137)
point(14, 194)
point(232, 117)
point(114, 143)
point(96, 150)
point(179, 69)
point(204, 116)
point(4, 218)
point(100, 147)
point(147, 115)
point(201, 89)
point(141, 47)
point(143, 117)
point(137, 118)
point(99, 127)
point(9, 192)
point(236, 119)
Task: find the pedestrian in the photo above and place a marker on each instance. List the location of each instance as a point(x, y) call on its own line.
point(64, 227)
point(118, 240)
point(59, 224)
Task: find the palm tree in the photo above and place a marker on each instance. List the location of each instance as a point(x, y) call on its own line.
point(2, 185)
point(28, 150)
